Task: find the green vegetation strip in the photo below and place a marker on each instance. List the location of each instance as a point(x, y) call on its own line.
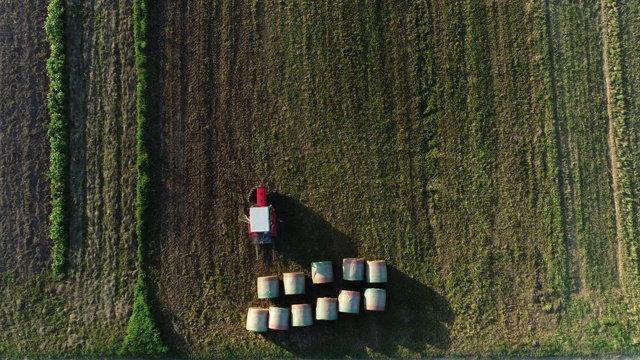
point(143, 336)
point(561, 281)
point(621, 129)
point(58, 136)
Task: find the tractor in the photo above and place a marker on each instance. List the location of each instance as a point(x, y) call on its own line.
point(262, 220)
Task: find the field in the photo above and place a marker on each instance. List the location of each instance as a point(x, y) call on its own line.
point(487, 150)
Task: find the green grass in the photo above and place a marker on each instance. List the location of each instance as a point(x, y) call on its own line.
point(33, 303)
point(551, 157)
point(586, 120)
point(624, 132)
point(143, 336)
point(623, 136)
point(630, 39)
point(58, 136)
point(494, 141)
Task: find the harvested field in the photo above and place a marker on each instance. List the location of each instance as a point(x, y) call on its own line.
point(24, 155)
point(400, 132)
point(103, 176)
point(488, 151)
point(88, 311)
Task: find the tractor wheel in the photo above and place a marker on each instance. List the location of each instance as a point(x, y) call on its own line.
point(252, 197)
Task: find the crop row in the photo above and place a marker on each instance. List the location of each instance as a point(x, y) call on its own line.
point(586, 123)
point(630, 37)
point(622, 136)
point(425, 130)
point(561, 281)
point(58, 136)
point(143, 336)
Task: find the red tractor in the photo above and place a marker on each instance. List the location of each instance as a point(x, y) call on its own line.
point(262, 220)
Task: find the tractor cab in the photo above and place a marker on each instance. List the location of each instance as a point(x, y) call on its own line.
point(262, 224)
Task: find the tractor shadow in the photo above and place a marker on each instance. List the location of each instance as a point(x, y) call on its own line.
point(416, 317)
point(307, 237)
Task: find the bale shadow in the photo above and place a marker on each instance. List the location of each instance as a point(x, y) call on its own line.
point(416, 317)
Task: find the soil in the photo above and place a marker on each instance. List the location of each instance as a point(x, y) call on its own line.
point(102, 118)
point(24, 146)
point(204, 132)
point(24, 163)
point(91, 307)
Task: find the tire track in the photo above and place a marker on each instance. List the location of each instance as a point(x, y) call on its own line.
point(177, 224)
point(78, 86)
point(204, 158)
point(565, 181)
point(173, 120)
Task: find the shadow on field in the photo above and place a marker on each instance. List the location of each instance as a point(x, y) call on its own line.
point(416, 317)
point(305, 236)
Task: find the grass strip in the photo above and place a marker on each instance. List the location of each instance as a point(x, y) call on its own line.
point(58, 133)
point(143, 336)
point(558, 257)
point(622, 137)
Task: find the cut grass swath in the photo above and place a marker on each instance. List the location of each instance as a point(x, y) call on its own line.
point(143, 336)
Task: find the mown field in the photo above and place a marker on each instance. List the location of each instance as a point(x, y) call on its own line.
point(487, 150)
point(86, 312)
